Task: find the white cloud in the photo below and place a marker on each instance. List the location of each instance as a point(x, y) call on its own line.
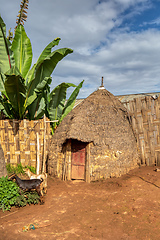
point(124, 62)
point(153, 22)
point(103, 46)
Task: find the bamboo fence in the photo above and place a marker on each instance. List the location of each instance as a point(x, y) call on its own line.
point(25, 141)
point(144, 114)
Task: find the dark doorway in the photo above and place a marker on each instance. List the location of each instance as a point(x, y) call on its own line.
point(78, 159)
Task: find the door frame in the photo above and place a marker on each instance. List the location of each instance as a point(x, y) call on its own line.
point(67, 162)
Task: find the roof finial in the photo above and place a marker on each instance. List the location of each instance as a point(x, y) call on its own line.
point(102, 83)
point(102, 86)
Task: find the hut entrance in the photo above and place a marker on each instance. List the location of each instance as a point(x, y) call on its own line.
point(78, 159)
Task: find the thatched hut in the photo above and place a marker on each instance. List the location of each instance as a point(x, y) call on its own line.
point(94, 141)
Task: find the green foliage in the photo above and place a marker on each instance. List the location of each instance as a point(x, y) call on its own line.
point(9, 191)
point(32, 169)
point(27, 198)
point(18, 169)
point(10, 168)
point(58, 107)
point(25, 91)
point(11, 195)
point(15, 169)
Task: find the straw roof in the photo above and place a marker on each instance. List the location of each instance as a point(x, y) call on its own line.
point(102, 119)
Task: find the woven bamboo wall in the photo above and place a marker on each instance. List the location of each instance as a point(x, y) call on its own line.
point(145, 118)
point(24, 141)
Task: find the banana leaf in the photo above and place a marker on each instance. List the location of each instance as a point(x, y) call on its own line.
point(16, 91)
point(45, 68)
point(4, 48)
point(41, 109)
point(6, 58)
point(36, 108)
point(22, 49)
point(57, 101)
point(6, 107)
point(42, 57)
point(47, 51)
point(2, 79)
point(71, 101)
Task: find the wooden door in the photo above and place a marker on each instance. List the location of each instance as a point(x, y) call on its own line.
point(78, 159)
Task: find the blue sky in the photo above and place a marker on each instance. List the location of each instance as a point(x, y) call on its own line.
point(116, 39)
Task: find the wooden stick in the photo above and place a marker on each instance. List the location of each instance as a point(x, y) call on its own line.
point(9, 214)
point(53, 121)
point(44, 145)
point(38, 162)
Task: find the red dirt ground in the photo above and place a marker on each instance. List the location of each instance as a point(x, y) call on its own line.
point(126, 208)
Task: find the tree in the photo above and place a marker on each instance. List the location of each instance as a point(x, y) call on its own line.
point(25, 91)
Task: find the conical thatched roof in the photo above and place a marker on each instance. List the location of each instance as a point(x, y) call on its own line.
point(101, 118)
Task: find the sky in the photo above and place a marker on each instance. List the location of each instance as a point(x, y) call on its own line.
point(116, 39)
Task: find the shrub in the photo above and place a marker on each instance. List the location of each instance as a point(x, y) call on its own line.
point(32, 169)
point(18, 168)
point(27, 198)
point(11, 195)
point(9, 191)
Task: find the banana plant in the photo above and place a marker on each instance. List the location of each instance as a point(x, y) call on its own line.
point(55, 105)
point(25, 91)
point(58, 107)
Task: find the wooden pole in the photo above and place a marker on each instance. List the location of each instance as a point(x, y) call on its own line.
point(87, 177)
point(64, 167)
point(44, 145)
point(69, 152)
point(38, 161)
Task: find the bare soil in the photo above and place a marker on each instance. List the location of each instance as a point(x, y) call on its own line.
point(125, 208)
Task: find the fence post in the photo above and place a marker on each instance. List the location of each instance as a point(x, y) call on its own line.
point(44, 146)
point(38, 161)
